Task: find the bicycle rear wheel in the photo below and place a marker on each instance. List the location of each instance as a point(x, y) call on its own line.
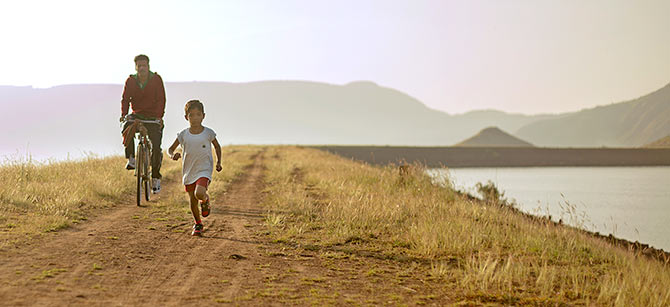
point(139, 170)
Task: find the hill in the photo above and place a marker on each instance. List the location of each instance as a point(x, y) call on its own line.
point(660, 143)
point(493, 137)
point(77, 119)
point(357, 113)
point(627, 124)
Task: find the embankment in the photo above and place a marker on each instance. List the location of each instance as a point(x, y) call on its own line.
point(504, 156)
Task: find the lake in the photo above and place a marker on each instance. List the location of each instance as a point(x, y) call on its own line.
point(632, 203)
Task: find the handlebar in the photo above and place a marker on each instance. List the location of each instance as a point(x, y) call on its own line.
point(130, 119)
point(155, 121)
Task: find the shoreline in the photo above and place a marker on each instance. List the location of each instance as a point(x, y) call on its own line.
point(637, 247)
point(377, 155)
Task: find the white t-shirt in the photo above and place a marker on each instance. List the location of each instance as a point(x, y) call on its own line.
point(197, 153)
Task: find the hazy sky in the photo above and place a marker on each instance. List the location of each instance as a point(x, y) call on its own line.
point(517, 56)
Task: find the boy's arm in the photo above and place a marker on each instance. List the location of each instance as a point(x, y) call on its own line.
point(171, 153)
point(217, 148)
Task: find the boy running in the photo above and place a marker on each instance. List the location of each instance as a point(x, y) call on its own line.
point(196, 143)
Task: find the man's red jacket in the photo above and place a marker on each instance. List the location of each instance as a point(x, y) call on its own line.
point(148, 101)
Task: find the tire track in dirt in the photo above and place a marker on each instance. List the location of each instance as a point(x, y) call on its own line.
point(222, 260)
point(190, 268)
point(215, 257)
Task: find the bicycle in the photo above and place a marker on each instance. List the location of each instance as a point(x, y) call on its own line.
point(142, 154)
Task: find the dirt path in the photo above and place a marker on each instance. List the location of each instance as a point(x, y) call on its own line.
point(119, 259)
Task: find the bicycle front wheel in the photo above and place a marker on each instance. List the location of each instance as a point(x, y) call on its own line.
point(147, 175)
point(140, 171)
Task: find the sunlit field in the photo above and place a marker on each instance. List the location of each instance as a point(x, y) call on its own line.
point(483, 253)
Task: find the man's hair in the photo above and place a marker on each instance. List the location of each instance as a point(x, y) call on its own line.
point(194, 104)
point(141, 57)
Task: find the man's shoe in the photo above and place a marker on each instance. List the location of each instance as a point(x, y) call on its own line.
point(131, 163)
point(204, 208)
point(156, 185)
point(197, 230)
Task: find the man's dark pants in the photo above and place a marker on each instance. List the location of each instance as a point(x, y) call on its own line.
point(156, 136)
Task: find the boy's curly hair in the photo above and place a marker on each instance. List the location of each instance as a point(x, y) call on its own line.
point(194, 104)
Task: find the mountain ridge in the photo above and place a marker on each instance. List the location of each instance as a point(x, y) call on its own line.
point(631, 123)
point(303, 112)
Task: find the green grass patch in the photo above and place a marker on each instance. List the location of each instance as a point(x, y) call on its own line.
point(49, 274)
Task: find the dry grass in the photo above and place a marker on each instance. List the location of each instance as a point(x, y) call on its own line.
point(36, 198)
point(476, 253)
point(483, 254)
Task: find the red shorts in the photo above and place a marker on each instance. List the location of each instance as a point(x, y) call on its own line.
point(202, 181)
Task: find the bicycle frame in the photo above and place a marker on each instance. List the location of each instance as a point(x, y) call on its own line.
point(143, 158)
point(144, 145)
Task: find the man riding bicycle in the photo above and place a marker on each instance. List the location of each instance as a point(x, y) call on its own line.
point(145, 93)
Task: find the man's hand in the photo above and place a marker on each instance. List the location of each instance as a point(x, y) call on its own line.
point(175, 156)
point(122, 118)
point(218, 167)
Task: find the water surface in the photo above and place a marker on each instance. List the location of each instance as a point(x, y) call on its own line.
point(629, 202)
